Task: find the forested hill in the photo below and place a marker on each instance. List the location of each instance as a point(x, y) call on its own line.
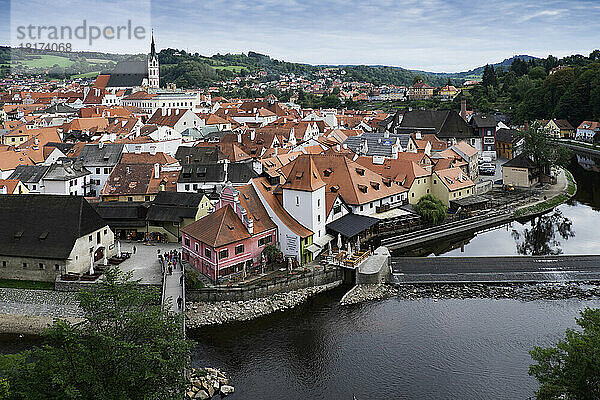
point(537, 89)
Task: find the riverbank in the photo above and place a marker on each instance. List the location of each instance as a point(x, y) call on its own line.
point(569, 188)
point(515, 291)
point(29, 311)
point(215, 313)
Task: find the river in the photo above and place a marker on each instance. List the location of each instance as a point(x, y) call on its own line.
point(410, 349)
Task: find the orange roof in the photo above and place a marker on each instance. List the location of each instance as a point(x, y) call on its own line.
point(400, 171)
point(266, 190)
point(10, 185)
point(304, 176)
point(466, 148)
point(11, 159)
point(82, 124)
point(219, 228)
point(454, 178)
point(147, 158)
point(356, 184)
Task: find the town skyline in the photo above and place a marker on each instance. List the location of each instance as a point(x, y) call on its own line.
point(432, 36)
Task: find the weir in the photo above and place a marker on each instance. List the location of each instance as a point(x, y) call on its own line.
point(505, 269)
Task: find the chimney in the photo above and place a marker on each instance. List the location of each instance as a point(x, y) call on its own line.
point(36, 141)
point(153, 150)
point(463, 108)
point(163, 112)
point(252, 134)
point(239, 137)
point(275, 151)
point(156, 170)
point(169, 112)
point(100, 145)
point(250, 226)
point(418, 135)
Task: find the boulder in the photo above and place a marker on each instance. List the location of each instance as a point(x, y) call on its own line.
point(226, 389)
point(190, 394)
point(202, 395)
point(211, 391)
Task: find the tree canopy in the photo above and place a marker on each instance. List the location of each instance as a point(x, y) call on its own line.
point(543, 152)
point(431, 209)
point(571, 369)
point(126, 347)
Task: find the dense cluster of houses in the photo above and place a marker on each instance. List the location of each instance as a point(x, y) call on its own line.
point(224, 177)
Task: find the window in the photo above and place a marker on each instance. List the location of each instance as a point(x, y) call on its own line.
point(97, 170)
point(41, 265)
point(24, 265)
point(4, 263)
point(318, 202)
point(413, 195)
point(265, 240)
point(196, 247)
point(187, 242)
point(98, 238)
point(297, 200)
point(337, 209)
point(34, 187)
point(106, 171)
point(319, 218)
point(207, 253)
point(239, 249)
point(146, 198)
point(187, 187)
point(90, 238)
point(370, 205)
point(56, 267)
point(361, 208)
point(435, 182)
point(105, 231)
point(223, 254)
point(130, 199)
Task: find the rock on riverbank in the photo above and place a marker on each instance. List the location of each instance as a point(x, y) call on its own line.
point(206, 383)
point(517, 291)
point(202, 314)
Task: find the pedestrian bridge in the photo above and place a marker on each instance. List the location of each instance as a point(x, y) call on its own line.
point(505, 269)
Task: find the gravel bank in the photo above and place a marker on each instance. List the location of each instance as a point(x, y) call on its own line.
point(46, 303)
point(518, 291)
point(202, 314)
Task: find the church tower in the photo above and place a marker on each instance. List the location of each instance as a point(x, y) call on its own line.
point(153, 69)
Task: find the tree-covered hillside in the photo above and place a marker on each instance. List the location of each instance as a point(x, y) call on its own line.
point(533, 90)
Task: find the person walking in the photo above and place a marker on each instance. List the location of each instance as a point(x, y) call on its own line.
point(181, 280)
point(134, 249)
point(179, 302)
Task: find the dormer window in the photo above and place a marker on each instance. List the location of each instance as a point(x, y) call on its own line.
point(360, 171)
point(362, 188)
point(375, 185)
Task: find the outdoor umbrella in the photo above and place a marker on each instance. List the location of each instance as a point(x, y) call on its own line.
point(92, 264)
point(339, 243)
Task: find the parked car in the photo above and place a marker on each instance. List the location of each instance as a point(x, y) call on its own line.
point(487, 169)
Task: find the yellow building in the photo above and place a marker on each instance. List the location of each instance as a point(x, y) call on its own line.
point(560, 128)
point(451, 184)
point(520, 172)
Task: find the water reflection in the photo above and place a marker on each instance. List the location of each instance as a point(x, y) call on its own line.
point(542, 238)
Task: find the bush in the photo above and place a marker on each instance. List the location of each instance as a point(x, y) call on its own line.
point(431, 209)
point(271, 253)
point(192, 279)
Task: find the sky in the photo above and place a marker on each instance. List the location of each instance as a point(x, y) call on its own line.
point(431, 35)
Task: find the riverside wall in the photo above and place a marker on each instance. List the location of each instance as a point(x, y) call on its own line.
point(249, 292)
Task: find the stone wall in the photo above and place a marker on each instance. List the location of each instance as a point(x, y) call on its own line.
point(237, 293)
point(13, 268)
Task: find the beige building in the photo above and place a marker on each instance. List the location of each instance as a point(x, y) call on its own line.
point(451, 184)
point(520, 172)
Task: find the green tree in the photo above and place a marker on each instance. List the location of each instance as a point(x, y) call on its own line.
point(489, 76)
point(571, 369)
point(417, 79)
point(271, 253)
point(431, 209)
point(127, 347)
point(543, 152)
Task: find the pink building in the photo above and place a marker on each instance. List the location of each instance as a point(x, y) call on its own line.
point(231, 238)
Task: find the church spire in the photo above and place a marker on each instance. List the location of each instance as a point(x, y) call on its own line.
point(152, 47)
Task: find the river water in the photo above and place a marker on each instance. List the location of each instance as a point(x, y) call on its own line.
point(410, 349)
